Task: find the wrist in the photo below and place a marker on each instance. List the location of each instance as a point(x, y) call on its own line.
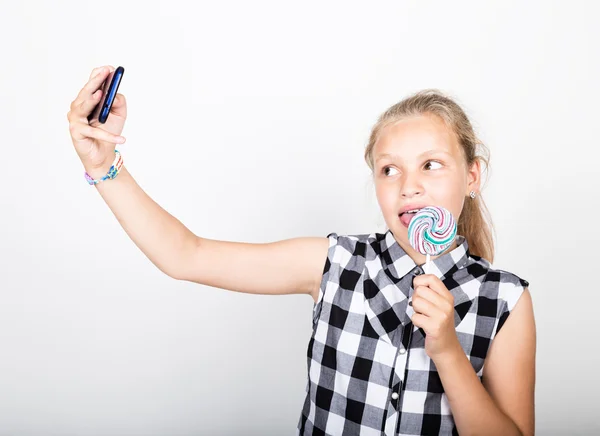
point(98, 172)
point(105, 171)
point(450, 356)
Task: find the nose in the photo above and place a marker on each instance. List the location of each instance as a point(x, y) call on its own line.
point(411, 186)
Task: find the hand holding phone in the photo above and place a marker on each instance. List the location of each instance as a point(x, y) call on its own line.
point(109, 90)
point(95, 141)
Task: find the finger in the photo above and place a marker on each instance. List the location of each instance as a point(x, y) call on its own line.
point(95, 81)
point(77, 106)
point(81, 131)
point(427, 308)
point(422, 321)
point(89, 88)
point(434, 283)
point(88, 105)
point(119, 101)
point(430, 295)
point(80, 113)
point(120, 104)
point(97, 70)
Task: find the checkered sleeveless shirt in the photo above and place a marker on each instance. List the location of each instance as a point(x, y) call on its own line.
point(368, 373)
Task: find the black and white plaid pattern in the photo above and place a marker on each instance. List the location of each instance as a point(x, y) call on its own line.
point(368, 372)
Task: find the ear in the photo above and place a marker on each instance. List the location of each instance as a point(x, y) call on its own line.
point(474, 177)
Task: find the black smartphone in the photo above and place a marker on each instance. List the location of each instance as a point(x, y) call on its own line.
point(109, 91)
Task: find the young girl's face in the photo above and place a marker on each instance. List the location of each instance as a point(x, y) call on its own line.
point(418, 162)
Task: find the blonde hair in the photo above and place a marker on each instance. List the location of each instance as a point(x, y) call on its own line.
point(475, 222)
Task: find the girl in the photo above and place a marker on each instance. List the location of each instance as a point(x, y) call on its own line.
point(393, 351)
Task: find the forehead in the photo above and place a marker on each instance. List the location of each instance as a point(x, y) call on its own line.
point(415, 135)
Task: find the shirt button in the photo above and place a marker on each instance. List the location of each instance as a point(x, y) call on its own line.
point(395, 395)
point(402, 351)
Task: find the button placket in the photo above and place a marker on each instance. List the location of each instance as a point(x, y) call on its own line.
point(403, 354)
point(417, 271)
point(397, 384)
point(400, 370)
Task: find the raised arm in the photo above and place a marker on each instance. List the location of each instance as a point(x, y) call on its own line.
point(283, 267)
point(291, 266)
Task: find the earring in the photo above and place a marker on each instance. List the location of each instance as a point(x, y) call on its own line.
point(472, 194)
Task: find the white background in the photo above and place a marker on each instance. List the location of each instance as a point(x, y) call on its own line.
point(248, 121)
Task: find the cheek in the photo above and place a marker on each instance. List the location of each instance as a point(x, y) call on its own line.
point(448, 193)
point(443, 188)
point(386, 198)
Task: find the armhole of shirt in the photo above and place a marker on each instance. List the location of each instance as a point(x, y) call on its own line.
point(329, 266)
point(509, 293)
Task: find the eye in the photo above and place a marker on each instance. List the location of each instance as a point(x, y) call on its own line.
point(385, 169)
point(434, 162)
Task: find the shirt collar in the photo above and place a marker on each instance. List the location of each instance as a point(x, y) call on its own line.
point(398, 263)
point(388, 309)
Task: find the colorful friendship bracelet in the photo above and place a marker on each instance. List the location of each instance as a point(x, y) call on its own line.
point(112, 172)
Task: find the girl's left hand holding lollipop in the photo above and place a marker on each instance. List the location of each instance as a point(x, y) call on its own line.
point(434, 313)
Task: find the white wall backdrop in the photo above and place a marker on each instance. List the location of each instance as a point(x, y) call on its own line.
point(247, 121)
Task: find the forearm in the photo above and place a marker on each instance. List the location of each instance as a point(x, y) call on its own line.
point(473, 409)
point(158, 234)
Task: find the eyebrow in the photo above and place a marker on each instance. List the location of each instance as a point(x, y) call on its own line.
point(394, 156)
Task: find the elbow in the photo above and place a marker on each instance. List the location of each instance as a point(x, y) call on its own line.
point(508, 427)
point(518, 431)
point(176, 276)
point(183, 264)
point(176, 273)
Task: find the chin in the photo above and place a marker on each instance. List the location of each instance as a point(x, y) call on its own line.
point(399, 230)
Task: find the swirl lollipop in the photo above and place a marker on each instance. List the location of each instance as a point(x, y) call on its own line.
point(431, 231)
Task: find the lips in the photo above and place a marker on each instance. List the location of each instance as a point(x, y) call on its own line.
point(406, 218)
point(412, 211)
point(408, 212)
point(411, 207)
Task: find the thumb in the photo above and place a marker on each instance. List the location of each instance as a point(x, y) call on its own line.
point(119, 106)
point(119, 101)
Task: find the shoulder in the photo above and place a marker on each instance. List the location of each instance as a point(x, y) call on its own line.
point(505, 277)
point(364, 238)
point(510, 286)
point(500, 289)
point(496, 283)
point(345, 261)
point(350, 245)
point(495, 292)
point(346, 257)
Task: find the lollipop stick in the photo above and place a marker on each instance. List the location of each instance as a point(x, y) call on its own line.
point(426, 267)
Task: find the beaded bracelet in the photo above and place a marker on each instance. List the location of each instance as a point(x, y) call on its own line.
point(112, 172)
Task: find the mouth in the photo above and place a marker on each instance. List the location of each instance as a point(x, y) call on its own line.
point(407, 216)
